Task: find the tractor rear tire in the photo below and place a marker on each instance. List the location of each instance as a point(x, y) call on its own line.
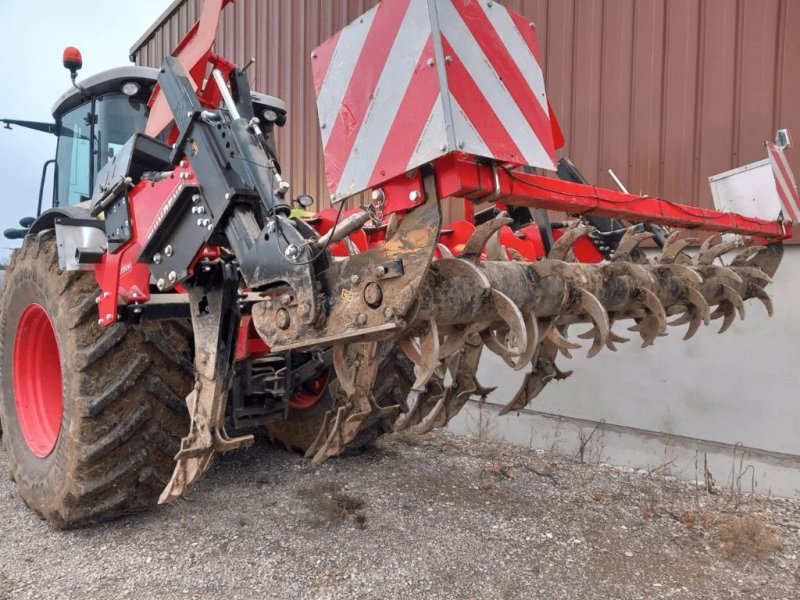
point(92, 416)
point(300, 429)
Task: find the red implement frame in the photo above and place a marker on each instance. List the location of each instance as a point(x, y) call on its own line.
point(463, 178)
point(194, 53)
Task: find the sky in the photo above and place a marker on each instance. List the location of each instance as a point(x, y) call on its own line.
point(33, 35)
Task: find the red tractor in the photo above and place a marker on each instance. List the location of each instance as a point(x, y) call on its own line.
point(175, 292)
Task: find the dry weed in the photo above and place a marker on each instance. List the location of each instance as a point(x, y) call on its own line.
point(748, 536)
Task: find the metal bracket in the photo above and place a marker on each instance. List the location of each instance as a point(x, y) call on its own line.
point(215, 326)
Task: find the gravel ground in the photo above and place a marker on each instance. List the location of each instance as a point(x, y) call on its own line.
point(432, 517)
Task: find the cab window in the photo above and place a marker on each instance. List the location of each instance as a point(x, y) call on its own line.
point(118, 118)
point(74, 156)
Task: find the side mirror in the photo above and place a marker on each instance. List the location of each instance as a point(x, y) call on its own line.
point(15, 234)
point(73, 61)
point(26, 222)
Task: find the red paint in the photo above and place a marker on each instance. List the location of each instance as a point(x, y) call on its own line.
point(412, 117)
point(37, 381)
point(248, 343)
point(477, 108)
point(322, 57)
point(508, 71)
point(527, 241)
point(455, 236)
point(366, 74)
point(313, 394)
point(583, 248)
point(535, 191)
point(193, 52)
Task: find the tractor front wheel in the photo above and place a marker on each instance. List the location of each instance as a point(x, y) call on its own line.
point(92, 417)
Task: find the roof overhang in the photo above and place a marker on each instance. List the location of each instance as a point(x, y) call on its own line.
point(103, 83)
point(145, 37)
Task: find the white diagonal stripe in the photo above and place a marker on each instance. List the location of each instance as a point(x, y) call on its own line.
point(788, 187)
point(517, 48)
point(468, 135)
point(782, 157)
point(490, 84)
point(433, 136)
point(386, 99)
point(340, 72)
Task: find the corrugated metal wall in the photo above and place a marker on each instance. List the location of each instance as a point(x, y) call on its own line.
point(665, 92)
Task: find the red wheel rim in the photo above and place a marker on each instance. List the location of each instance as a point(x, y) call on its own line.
point(308, 398)
point(37, 381)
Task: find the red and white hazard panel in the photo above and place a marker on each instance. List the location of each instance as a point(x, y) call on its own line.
point(413, 80)
point(784, 182)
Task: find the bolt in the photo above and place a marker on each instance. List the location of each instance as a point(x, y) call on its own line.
point(286, 299)
point(415, 196)
point(168, 250)
point(199, 222)
point(380, 271)
point(183, 162)
point(196, 198)
point(100, 322)
point(461, 145)
point(533, 24)
point(106, 294)
point(206, 222)
point(314, 55)
point(97, 300)
point(304, 309)
point(362, 319)
point(355, 279)
point(444, 147)
point(292, 252)
point(109, 317)
point(228, 196)
point(268, 303)
point(283, 319)
point(210, 228)
point(389, 312)
point(160, 284)
point(448, 59)
point(173, 276)
point(378, 196)
point(157, 258)
point(431, 62)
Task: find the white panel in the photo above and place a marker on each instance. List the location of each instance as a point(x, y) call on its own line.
point(749, 191)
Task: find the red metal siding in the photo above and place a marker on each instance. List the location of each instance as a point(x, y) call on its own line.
point(664, 92)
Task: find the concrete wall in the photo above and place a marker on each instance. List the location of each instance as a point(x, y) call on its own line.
point(711, 395)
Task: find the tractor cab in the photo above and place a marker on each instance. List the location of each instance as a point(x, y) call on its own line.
point(95, 118)
point(93, 122)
